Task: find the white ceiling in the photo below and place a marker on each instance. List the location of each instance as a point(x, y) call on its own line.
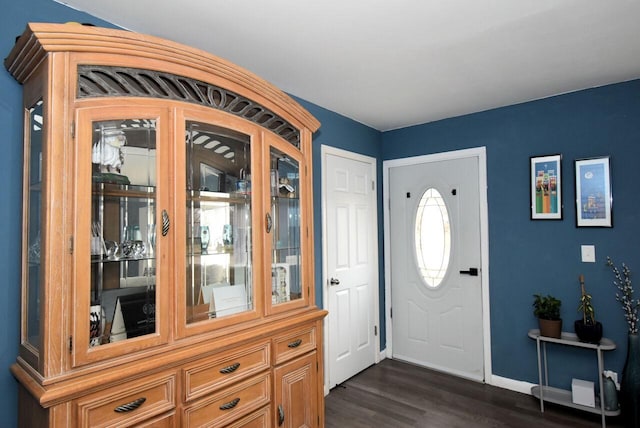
point(390, 64)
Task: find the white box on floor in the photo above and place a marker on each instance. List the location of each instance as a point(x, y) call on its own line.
point(583, 393)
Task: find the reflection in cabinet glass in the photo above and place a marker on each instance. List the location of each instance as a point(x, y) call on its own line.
point(218, 222)
point(123, 230)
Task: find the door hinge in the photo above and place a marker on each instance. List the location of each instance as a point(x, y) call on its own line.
point(391, 312)
point(317, 366)
point(71, 245)
point(373, 185)
point(73, 130)
point(70, 344)
point(375, 330)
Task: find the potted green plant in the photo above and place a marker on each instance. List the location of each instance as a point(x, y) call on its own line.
point(547, 309)
point(587, 329)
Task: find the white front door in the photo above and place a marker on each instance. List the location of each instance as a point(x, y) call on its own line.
point(350, 258)
point(435, 254)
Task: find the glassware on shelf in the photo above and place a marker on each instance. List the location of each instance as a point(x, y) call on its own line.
point(204, 238)
point(97, 242)
point(132, 245)
point(151, 238)
point(112, 249)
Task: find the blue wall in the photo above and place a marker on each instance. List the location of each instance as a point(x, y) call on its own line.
point(528, 257)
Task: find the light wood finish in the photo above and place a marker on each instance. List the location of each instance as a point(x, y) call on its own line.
point(211, 374)
point(258, 419)
point(232, 403)
point(294, 343)
point(294, 383)
point(155, 393)
point(183, 370)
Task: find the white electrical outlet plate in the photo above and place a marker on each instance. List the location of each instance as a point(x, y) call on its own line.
point(588, 253)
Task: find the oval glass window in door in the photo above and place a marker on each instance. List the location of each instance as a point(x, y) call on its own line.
point(432, 238)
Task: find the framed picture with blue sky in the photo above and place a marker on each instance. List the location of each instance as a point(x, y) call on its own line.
point(594, 199)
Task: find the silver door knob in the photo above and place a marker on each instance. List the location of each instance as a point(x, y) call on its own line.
point(334, 281)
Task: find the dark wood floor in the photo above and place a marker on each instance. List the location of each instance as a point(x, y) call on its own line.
point(396, 395)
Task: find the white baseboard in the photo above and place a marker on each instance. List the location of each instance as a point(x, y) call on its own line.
point(511, 384)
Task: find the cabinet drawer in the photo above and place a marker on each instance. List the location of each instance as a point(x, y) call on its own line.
point(216, 372)
point(159, 422)
point(230, 404)
point(257, 419)
point(128, 404)
point(294, 343)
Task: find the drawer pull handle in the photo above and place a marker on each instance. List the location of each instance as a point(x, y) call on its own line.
point(230, 405)
point(129, 407)
point(295, 343)
point(280, 415)
point(230, 369)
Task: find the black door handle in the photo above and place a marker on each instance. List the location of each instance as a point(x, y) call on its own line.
point(471, 271)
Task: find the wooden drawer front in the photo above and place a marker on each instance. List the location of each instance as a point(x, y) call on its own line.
point(221, 370)
point(160, 422)
point(128, 404)
point(294, 343)
point(258, 419)
point(230, 404)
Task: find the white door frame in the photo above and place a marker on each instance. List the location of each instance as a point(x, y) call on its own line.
point(480, 153)
point(328, 150)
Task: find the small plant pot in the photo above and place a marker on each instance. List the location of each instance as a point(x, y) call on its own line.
point(588, 333)
point(550, 328)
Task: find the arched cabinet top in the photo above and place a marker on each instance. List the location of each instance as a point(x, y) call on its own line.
point(191, 75)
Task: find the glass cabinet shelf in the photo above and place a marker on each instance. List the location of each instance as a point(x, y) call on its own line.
point(123, 190)
point(228, 198)
point(117, 259)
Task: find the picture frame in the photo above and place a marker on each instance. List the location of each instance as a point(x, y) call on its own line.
point(594, 198)
point(280, 283)
point(211, 179)
point(546, 187)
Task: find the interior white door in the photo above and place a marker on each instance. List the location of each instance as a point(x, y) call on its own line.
point(435, 281)
point(351, 264)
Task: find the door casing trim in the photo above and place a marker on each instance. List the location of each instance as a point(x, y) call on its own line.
point(328, 150)
point(481, 154)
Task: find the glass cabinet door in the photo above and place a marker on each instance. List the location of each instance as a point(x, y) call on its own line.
point(218, 229)
point(33, 216)
point(286, 283)
point(123, 230)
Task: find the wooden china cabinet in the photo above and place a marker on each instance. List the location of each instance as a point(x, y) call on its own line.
point(167, 261)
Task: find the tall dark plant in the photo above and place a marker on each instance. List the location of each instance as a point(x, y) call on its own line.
point(588, 313)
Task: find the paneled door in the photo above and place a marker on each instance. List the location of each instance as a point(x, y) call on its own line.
point(435, 251)
point(350, 263)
